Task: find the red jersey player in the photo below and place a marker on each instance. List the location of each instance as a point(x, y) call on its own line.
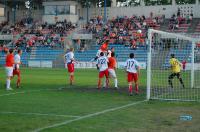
point(184, 64)
point(9, 68)
point(102, 65)
point(16, 70)
point(69, 60)
point(112, 65)
point(132, 68)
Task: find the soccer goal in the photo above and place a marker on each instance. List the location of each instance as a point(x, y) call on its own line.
point(162, 83)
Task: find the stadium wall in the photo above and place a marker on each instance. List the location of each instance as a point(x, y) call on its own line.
point(70, 17)
point(167, 10)
point(36, 15)
point(2, 18)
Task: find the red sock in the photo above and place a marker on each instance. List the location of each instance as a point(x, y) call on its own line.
point(107, 82)
point(130, 89)
point(136, 88)
point(99, 84)
point(18, 81)
point(71, 78)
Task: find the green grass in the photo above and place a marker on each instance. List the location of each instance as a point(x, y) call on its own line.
point(41, 95)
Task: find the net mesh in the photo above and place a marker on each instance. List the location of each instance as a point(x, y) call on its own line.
point(166, 85)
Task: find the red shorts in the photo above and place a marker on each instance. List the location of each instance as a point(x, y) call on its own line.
point(16, 72)
point(132, 77)
point(102, 73)
point(70, 67)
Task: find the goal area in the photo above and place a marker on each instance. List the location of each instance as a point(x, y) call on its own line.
point(162, 82)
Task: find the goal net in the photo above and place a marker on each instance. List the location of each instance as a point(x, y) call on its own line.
point(164, 80)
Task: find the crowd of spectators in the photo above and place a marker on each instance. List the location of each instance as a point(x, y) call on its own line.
point(177, 20)
point(3, 48)
point(128, 31)
point(29, 34)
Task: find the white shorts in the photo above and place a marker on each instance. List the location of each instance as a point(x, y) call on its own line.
point(9, 71)
point(112, 73)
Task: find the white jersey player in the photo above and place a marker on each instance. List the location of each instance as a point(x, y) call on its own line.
point(102, 65)
point(69, 61)
point(132, 68)
point(16, 69)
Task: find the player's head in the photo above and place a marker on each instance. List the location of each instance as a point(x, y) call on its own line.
point(71, 49)
point(11, 51)
point(101, 54)
point(19, 51)
point(172, 55)
point(107, 41)
point(112, 54)
point(131, 55)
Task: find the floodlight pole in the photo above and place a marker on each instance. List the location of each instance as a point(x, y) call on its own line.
point(105, 11)
point(14, 11)
point(5, 11)
point(87, 4)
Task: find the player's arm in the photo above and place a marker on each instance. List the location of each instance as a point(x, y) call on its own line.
point(180, 64)
point(171, 63)
point(115, 65)
point(97, 64)
point(125, 67)
point(64, 59)
point(138, 68)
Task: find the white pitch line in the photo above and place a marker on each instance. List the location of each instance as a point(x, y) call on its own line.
point(88, 116)
point(28, 91)
point(37, 114)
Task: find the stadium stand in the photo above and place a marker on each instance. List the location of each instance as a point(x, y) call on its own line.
point(121, 51)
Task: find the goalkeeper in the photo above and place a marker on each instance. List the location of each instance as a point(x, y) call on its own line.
point(176, 71)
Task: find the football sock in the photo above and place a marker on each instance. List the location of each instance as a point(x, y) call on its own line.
point(170, 83)
point(130, 88)
point(71, 79)
point(8, 83)
point(99, 84)
point(116, 82)
point(104, 84)
point(181, 81)
point(107, 82)
point(136, 88)
point(18, 81)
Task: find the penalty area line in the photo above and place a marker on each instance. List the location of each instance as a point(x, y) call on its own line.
point(89, 115)
point(30, 91)
point(37, 114)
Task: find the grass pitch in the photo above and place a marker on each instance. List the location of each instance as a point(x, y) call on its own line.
point(46, 100)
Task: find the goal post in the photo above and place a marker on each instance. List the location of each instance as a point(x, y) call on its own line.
point(162, 84)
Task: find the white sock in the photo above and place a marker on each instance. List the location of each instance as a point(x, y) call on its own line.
point(115, 82)
point(104, 83)
point(8, 83)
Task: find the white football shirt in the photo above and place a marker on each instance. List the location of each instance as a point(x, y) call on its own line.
point(69, 57)
point(132, 65)
point(17, 59)
point(102, 62)
point(109, 53)
point(98, 53)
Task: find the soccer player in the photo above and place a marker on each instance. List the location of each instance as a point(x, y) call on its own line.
point(9, 68)
point(112, 50)
point(184, 64)
point(176, 71)
point(112, 65)
point(69, 60)
point(103, 49)
point(16, 70)
point(133, 70)
point(102, 65)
